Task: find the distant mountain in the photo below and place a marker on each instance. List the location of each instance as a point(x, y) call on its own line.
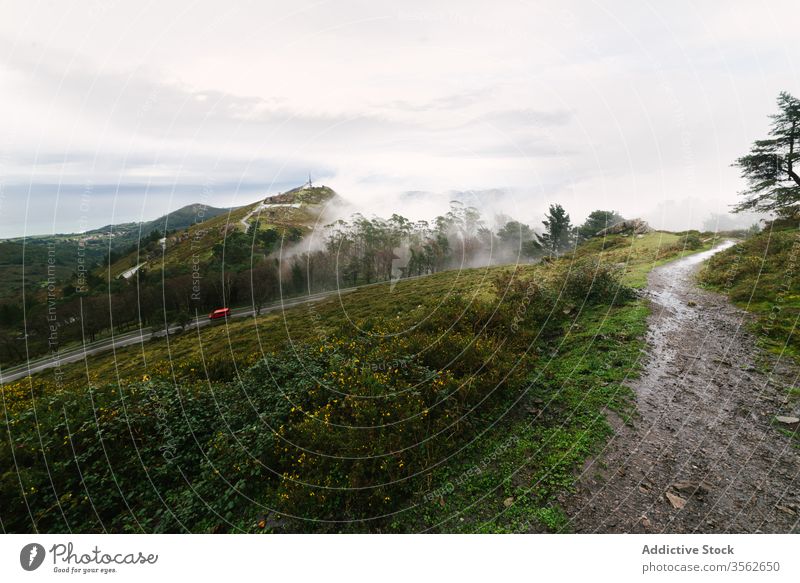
point(185, 217)
point(180, 219)
point(24, 261)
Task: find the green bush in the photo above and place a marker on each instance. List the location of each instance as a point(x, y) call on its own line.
point(348, 427)
point(592, 282)
point(529, 308)
point(691, 241)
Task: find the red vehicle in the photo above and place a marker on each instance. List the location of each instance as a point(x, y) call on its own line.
point(219, 313)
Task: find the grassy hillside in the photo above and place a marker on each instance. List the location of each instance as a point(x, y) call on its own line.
point(194, 229)
point(195, 242)
point(462, 401)
point(24, 263)
point(760, 274)
point(218, 351)
point(25, 266)
point(184, 217)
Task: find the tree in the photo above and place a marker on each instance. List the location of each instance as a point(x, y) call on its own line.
point(519, 238)
point(461, 225)
point(269, 239)
point(183, 318)
point(531, 248)
point(769, 168)
point(94, 316)
point(596, 222)
point(558, 230)
point(234, 249)
point(514, 233)
point(263, 284)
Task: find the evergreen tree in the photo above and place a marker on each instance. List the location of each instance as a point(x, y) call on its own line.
point(514, 232)
point(596, 222)
point(518, 238)
point(769, 168)
point(559, 233)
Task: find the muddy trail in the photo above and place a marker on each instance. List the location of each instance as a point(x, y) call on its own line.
point(703, 453)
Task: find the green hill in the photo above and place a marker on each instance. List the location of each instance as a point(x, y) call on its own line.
point(193, 231)
point(24, 263)
point(146, 273)
point(292, 214)
point(182, 218)
point(461, 401)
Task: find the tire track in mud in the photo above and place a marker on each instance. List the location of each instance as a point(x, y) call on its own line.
point(702, 454)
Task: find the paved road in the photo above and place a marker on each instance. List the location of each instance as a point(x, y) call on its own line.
point(139, 336)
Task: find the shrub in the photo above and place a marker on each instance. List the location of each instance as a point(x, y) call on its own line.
point(345, 427)
point(526, 307)
point(593, 282)
point(691, 241)
point(384, 412)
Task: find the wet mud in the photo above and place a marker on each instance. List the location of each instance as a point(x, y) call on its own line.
point(704, 453)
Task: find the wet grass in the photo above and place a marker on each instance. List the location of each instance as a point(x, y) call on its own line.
point(511, 476)
point(240, 342)
point(760, 275)
point(510, 479)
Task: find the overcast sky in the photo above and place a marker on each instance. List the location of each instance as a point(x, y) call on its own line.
point(118, 111)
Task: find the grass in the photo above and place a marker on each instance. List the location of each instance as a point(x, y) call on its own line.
point(760, 275)
point(197, 240)
point(524, 451)
point(241, 342)
point(509, 480)
point(643, 253)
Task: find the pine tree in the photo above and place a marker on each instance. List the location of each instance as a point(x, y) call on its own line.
point(769, 168)
point(596, 222)
point(559, 233)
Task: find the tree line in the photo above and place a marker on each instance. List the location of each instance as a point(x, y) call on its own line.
point(263, 265)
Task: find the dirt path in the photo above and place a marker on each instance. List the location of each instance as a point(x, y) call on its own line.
point(704, 439)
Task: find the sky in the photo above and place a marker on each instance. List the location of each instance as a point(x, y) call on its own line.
point(120, 111)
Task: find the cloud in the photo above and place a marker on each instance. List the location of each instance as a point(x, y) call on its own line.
point(605, 104)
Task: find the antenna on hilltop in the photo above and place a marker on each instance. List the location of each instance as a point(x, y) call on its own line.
point(309, 181)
